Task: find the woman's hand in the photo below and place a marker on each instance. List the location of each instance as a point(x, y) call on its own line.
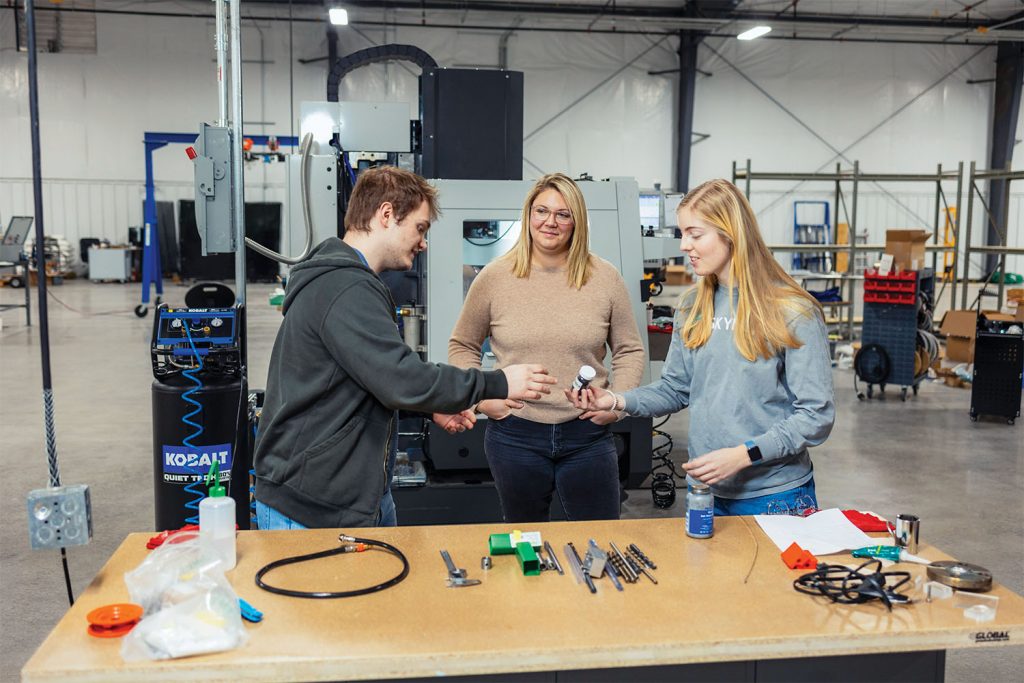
point(499, 408)
point(600, 417)
point(591, 399)
point(719, 465)
point(453, 424)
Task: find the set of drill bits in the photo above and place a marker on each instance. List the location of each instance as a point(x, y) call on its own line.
point(618, 566)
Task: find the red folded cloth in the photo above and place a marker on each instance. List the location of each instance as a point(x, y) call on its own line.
point(866, 521)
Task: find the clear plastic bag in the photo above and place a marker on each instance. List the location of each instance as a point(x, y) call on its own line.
point(189, 607)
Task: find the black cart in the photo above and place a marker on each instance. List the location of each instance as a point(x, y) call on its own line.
point(998, 369)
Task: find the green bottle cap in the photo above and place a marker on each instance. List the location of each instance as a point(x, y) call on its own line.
point(213, 481)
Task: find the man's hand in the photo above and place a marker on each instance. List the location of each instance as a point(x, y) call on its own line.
point(719, 465)
point(454, 424)
point(591, 399)
point(528, 382)
point(498, 408)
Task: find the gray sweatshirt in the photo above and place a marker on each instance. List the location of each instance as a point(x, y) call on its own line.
point(783, 404)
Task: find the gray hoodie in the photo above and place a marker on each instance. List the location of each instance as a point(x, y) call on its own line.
point(338, 372)
point(783, 404)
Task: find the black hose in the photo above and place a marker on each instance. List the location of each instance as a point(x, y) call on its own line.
point(347, 548)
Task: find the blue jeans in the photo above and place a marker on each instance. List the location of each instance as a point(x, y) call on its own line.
point(268, 518)
point(530, 461)
point(725, 507)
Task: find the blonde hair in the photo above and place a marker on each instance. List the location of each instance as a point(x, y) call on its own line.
point(579, 268)
point(766, 293)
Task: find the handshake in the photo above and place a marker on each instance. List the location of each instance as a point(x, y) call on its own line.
point(530, 382)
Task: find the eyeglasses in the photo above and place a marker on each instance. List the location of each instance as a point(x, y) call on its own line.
point(542, 213)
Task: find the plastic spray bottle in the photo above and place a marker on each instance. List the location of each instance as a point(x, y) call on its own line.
point(217, 521)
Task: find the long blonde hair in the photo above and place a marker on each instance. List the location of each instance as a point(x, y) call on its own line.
point(766, 293)
point(579, 244)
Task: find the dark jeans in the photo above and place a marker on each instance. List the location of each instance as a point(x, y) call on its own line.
point(530, 461)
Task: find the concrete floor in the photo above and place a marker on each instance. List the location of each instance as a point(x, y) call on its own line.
point(966, 480)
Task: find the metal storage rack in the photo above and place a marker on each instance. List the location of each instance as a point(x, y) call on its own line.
point(854, 177)
point(1002, 249)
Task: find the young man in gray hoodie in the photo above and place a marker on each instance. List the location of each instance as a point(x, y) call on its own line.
point(340, 370)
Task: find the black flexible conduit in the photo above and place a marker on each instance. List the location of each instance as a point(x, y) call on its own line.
point(373, 55)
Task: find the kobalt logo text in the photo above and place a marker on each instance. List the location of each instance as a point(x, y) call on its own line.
point(183, 460)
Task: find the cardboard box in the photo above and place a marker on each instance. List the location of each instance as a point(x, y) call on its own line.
point(907, 248)
point(678, 275)
point(998, 316)
point(960, 328)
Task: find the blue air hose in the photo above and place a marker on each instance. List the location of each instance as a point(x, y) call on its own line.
point(196, 487)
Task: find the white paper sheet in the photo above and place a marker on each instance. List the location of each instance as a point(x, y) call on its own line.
point(823, 533)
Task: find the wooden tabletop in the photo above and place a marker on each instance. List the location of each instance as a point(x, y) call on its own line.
point(702, 610)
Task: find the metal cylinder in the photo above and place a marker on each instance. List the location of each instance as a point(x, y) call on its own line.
point(411, 327)
point(176, 466)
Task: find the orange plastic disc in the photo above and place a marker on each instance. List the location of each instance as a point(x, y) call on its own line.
point(112, 616)
point(114, 632)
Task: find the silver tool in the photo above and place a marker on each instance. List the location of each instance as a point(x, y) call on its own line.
point(595, 562)
point(577, 567)
point(613, 575)
point(545, 563)
point(639, 554)
point(624, 567)
point(456, 577)
point(554, 558)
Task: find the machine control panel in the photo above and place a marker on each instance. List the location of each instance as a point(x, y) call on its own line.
point(187, 338)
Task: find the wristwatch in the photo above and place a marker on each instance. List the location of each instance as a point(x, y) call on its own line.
point(753, 452)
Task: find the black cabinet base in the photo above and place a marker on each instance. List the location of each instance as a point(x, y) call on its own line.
point(899, 667)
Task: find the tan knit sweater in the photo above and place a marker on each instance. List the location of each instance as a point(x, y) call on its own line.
point(542, 319)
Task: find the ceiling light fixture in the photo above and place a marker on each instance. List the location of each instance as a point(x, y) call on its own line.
point(338, 16)
point(755, 32)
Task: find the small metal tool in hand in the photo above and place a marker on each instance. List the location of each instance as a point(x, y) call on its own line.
point(456, 577)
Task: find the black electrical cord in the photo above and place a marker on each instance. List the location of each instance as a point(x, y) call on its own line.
point(848, 586)
point(67, 576)
point(347, 548)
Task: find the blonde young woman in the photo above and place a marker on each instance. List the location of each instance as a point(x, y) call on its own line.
point(749, 357)
point(553, 302)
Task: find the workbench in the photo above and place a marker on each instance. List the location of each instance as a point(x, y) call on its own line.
point(705, 620)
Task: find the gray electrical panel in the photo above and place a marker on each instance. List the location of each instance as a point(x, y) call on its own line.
point(213, 190)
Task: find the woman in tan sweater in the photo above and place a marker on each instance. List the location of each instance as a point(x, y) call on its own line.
point(553, 302)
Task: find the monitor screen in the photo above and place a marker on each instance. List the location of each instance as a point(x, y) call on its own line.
point(650, 210)
point(17, 230)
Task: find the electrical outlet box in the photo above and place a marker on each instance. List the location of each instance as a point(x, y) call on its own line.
point(59, 517)
point(213, 190)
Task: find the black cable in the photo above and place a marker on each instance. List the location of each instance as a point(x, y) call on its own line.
point(347, 548)
point(53, 296)
point(67, 576)
point(40, 250)
point(848, 586)
point(494, 241)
